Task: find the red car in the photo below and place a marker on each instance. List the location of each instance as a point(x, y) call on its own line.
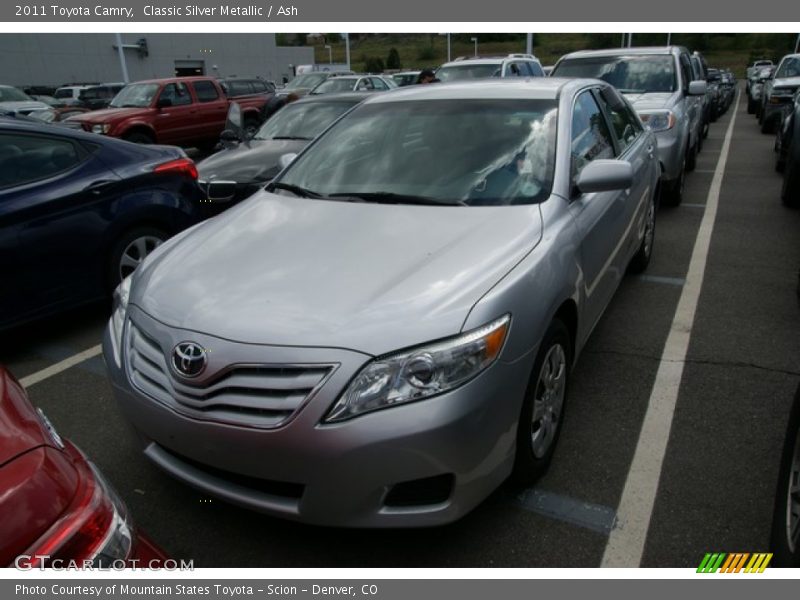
point(57, 509)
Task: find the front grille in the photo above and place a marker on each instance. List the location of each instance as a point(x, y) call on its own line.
point(263, 396)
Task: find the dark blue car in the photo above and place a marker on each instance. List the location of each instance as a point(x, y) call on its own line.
point(79, 211)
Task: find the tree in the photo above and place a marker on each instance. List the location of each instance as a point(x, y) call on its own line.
point(393, 60)
point(373, 64)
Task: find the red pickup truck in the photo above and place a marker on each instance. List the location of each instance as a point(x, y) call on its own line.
point(182, 111)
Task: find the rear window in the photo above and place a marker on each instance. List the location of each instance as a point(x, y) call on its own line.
point(468, 71)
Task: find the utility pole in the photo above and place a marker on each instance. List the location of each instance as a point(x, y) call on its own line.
point(121, 54)
point(529, 44)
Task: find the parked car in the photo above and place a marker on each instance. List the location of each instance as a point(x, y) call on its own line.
point(479, 67)
point(185, 111)
point(302, 84)
point(727, 89)
point(757, 88)
point(79, 211)
point(56, 115)
point(354, 83)
point(69, 95)
point(17, 101)
point(778, 92)
point(406, 78)
point(660, 83)
point(713, 81)
point(238, 87)
point(700, 72)
point(753, 69)
point(787, 145)
point(57, 506)
point(95, 97)
point(785, 535)
point(402, 305)
point(248, 164)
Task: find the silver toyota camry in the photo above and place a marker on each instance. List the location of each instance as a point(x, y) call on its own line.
point(385, 334)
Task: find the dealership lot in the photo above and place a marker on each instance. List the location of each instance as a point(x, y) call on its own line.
point(721, 463)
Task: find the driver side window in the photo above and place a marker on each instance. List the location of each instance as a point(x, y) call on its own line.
point(591, 138)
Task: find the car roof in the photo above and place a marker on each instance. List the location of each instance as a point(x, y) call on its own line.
point(530, 88)
point(639, 51)
point(174, 79)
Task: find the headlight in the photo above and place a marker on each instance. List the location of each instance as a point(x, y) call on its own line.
point(422, 372)
point(101, 128)
point(117, 324)
point(659, 121)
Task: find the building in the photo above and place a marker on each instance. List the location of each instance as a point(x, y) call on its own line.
point(54, 59)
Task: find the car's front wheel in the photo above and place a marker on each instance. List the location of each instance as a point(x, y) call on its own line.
point(641, 259)
point(790, 194)
point(131, 250)
point(543, 408)
point(785, 537)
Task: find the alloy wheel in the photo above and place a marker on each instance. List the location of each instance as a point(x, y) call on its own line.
point(135, 252)
point(548, 400)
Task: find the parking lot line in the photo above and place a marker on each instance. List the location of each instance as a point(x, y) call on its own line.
point(626, 541)
point(658, 279)
point(61, 366)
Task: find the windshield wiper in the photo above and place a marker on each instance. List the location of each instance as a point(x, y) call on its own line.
point(392, 198)
point(295, 189)
point(287, 137)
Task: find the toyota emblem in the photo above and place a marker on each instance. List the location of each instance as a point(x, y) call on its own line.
point(189, 359)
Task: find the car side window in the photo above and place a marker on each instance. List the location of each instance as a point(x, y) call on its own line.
point(28, 158)
point(536, 69)
point(686, 71)
point(178, 93)
point(591, 139)
point(378, 84)
point(624, 122)
point(205, 91)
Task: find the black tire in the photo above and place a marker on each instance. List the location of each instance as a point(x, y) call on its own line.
point(127, 245)
point(714, 114)
point(751, 105)
point(641, 259)
point(790, 193)
point(707, 126)
point(767, 125)
point(691, 157)
point(787, 551)
point(673, 191)
point(532, 460)
point(139, 137)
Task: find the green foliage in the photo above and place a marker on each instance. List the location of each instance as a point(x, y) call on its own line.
point(393, 60)
point(373, 64)
point(426, 53)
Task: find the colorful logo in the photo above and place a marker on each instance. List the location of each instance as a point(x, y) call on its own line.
point(720, 562)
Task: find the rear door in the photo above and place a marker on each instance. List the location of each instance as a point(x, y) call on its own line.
point(53, 190)
point(177, 123)
point(212, 109)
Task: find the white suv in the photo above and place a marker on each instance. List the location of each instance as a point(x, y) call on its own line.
point(479, 67)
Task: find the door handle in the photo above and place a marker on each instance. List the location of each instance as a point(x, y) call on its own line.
point(98, 187)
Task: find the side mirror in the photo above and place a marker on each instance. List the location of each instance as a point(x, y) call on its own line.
point(697, 88)
point(605, 176)
point(164, 103)
point(286, 159)
point(234, 119)
point(229, 137)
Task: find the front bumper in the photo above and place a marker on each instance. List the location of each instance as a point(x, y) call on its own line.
point(339, 474)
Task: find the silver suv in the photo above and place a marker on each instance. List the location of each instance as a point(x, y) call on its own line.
point(479, 67)
point(661, 85)
point(778, 92)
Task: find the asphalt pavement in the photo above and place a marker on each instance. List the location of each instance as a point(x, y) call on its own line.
point(716, 486)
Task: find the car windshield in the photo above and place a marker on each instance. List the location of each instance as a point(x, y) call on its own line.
point(48, 116)
point(309, 80)
point(335, 84)
point(135, 95)
point(468, 71)
point(438, 152)
point(629, 74)
point(11, 94)
point(305, 120)
point(790, 67)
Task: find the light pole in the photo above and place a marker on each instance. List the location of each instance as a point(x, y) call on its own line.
point(529, 44)
point(124, 66)
point(630, 40)
point(669, 39)
point(475, 40)
point(330, 54)
point(797, 44)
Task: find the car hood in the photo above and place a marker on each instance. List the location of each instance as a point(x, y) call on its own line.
point(787, 82)
point(109, 114)
point(24, 106)
point(650, 100)
point(20, 427)
point(253, 161)
point(373, 278)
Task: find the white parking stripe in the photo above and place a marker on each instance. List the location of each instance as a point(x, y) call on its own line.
point(57, 368)
point(625, 544)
